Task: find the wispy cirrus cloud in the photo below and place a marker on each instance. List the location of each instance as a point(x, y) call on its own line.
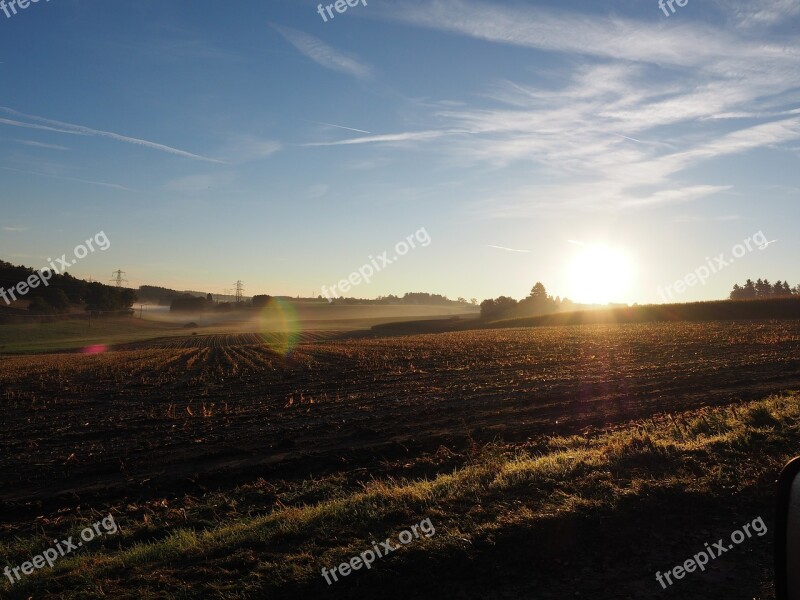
point(115, 186)
point(647, 102)
point(390, 138)
point(43, 124)
point(338, 126)
point(323, 54)
point(760, 13)
point(583, 34)
point(41, 145)
point(507, 249)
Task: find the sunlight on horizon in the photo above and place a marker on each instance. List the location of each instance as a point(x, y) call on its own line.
point(599, 274)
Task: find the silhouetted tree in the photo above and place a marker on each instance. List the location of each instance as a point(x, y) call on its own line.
point(538, 291)
point(261, 300)
point(781, 289)
point(104, 298)
point(127, 298)
point(763, 289)
point(55, 298)
point(498, 307)
point(538, 302)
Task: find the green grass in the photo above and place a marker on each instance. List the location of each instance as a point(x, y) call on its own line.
point(67, 335)
point(711, 452)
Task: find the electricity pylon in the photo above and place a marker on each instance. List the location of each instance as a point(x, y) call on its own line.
point(118, 278)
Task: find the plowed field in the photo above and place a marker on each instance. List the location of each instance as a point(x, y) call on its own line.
point(186, 413)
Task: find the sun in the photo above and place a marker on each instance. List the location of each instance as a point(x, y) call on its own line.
point(599, 274)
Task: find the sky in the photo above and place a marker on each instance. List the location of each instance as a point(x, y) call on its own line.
point(606, 149)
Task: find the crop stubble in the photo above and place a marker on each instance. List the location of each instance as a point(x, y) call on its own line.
point(200, 410)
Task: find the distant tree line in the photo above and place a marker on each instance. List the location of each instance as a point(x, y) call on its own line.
point(64, 290)
point(162, 296)
point(538, 302)
point(762, 288)
point(715, 310)
point(413, 298)
point(186, 302)
point(189, 303)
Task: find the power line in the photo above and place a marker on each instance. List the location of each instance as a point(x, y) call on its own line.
point(118, 278)
point(239, 290)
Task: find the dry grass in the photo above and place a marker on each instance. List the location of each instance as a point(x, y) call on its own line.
point(500, 487)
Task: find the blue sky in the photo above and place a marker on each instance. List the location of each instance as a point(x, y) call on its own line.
point(217, 141)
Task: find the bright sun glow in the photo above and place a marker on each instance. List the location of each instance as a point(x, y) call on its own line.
point(599, 275)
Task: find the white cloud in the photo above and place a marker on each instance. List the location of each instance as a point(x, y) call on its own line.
point(324, 55)
point(339, 126)
point(649, 101)
point(65, 178)
point(653, 41)
point(69, 128)
point(41, 145)
point(760, 13)
point(390, 138)
point(506, 248)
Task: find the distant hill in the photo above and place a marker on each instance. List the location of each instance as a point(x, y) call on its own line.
point(151, 294)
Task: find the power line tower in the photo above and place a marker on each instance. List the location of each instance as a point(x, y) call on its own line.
point(118, 280)
point(239, 289)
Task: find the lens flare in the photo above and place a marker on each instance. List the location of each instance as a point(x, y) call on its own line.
point(95, 349)
point(279, 326)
